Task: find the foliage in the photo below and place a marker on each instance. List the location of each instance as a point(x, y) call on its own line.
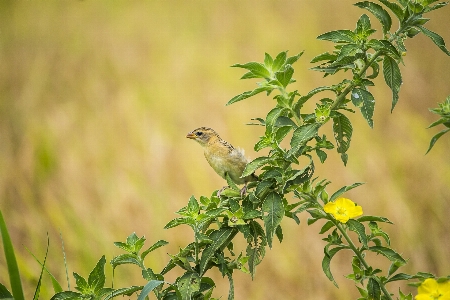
point(257, 216)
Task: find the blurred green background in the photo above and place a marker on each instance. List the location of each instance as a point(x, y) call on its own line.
point(96, 100)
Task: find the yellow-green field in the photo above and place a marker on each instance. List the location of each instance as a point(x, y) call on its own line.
point(96, 99)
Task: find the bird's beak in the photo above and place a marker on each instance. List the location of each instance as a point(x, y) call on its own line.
point(190, 135)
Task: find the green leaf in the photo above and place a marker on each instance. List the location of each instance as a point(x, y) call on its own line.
point(327, 226)
point(68, 295)
point(153, 247)
point(322, 155)
point(249, 94)
point(436, 137)
point(394, 7)
point(339, 36)
point(436, 38)
point(394, 267)
point(279, 61)
point(393, 77)
point(324, 56)
point(291, 60)
point(56, 286)
point(4, 293)
point(188, 285)
point(388, 253)
point(13, 269)
point(272, 117)
point(284, 77)
point(193, 207)
point(256, 68)
point(327, 261)
point(378, 12)
point(359, 228)
point(342, 130)
point(377, 231)
point(373, 218)
point(343, 190)
point(255, 255)
point(400, 276)
point(220, 238)
point(128, 291)
point(279, 233)
point(268, 60)
point(282, 132)
point(126, 258)
point(178, 221)
point(347, 51)
point(303, 134)
point(363, 26)
point(81, 283)
point(373, 287)
point(255, 164)
point(150, 286)
point(96, 279)
point(273, 212)
point(366, 103)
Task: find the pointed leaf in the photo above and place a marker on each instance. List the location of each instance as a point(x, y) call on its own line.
point(339, 36)
point(374, 290)
point(366, 103)
point(188, 285)
point(67, 295)
point(150, 286)
point(273, 212)
point(268, 60)
point(327, 261)
point(291, 60)
point(343, 190)
point(220, 238)
point(373, 219)
point(284, 77)
point(436, 137)
point(279, 61)
point(378, 12)
point(436, 38)
point(342, 129)
point(256, 68)
point(393, 77)
point(359, 228)
point(255, 164)
point(153, 247)
point(388, 252)
point(13, 269)
point(303, 134)
point(255, 255)
point(394, 7)
point(249, 94)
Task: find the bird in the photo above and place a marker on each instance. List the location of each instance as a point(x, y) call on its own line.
point(223, 157)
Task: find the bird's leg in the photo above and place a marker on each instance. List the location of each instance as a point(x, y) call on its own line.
point(221, 190)
point(243, 191)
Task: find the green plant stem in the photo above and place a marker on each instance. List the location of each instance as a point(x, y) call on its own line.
point(350, 87)
point(196, 246)
point(360, 257)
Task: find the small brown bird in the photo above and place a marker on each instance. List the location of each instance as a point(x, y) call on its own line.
point(222, 157)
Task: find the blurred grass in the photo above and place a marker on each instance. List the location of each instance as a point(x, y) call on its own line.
point(96, 100)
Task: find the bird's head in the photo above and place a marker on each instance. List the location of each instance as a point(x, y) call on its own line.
point(202, 135)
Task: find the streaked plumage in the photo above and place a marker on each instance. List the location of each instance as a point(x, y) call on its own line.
point(222, 156)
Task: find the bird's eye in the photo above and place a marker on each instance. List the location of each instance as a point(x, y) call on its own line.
point(199, 133)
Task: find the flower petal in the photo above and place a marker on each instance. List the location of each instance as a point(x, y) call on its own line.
point(428, 286)
point(330, 208)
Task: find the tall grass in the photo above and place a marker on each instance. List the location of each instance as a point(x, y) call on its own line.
point(95, 101)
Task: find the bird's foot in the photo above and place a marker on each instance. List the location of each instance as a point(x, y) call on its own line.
point(221, 190)
point(243, 191)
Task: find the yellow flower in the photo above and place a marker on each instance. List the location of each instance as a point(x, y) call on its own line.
point(430, 289)
point(343, 209)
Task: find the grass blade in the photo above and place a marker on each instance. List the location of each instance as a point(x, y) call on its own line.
point(13, 269)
